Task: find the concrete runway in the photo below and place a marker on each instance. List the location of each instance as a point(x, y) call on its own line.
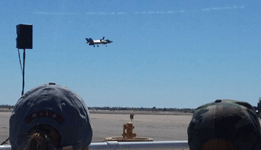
point(159, 127)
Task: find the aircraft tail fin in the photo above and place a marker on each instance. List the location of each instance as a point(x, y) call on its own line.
point(89, 40)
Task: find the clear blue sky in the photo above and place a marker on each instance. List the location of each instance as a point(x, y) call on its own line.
point(165, 53)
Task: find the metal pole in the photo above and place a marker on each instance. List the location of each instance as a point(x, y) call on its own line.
point(23, 72)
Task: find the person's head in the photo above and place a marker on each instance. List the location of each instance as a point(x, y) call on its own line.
point(224, 125)
point(50, 117)
point(42, 137)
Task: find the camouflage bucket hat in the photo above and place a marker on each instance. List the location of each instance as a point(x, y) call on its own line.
point(229, 120)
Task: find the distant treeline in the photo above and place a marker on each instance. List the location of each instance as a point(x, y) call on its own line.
point(128, 108)
point(6, 106)
point(142, 109)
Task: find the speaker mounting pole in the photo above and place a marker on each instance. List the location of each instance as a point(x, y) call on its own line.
point(23, 72)
point(24, 41)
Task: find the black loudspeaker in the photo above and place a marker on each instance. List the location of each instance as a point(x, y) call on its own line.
point(24, 38)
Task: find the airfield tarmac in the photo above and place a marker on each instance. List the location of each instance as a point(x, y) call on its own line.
point(161, 126)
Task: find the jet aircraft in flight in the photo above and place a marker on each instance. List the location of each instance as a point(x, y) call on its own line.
point(97, 42)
